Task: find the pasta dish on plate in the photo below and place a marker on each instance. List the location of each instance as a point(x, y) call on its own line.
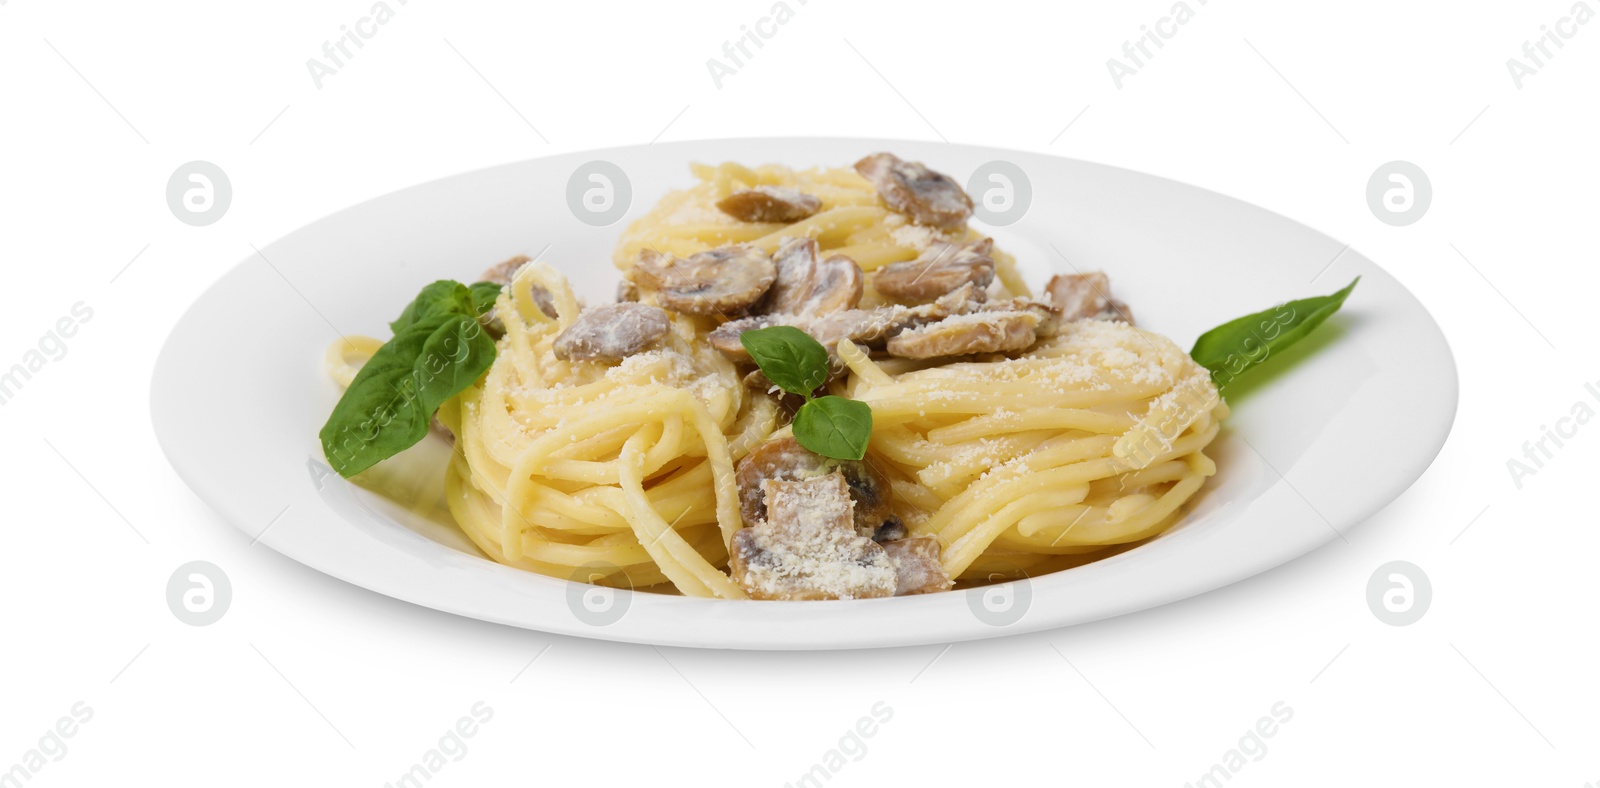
point(811, 384)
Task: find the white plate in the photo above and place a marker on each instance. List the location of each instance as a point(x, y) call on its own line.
point(239, 392)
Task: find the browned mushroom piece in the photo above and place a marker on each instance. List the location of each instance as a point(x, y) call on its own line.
point(870, 327)
point(796, 261)
point(907, 187)
point(1049, 323)
point(611, 332)
point(960, 301)
point(807, 286)
point(627, 291)
point(785, 459)
point(503, 273)
point(836, 286)
point(959, 335)
point(865, 326)
point(725, 338)
point(722, 281)
point(1085, 297)
point(769, 204)
point(806, 548)
point(827, 330)
point(941, 268)
point(893, 529)
point(874, 327)
point(759, 381)
point(917, 567)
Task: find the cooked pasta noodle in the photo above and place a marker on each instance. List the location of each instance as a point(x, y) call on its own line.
point(853, 222)
point(1090, 439)
point(629, 467)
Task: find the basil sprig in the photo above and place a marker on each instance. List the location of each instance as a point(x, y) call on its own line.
point(834, 427)
point(1238, 346)
point(483, 295)
point(439, 348)
point(831, 426)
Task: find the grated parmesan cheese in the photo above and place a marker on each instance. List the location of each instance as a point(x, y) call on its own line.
point(915, 236)
point(807, 547)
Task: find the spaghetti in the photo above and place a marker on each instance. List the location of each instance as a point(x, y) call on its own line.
point(853, 222)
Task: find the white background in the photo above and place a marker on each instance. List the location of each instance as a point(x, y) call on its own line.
point(310, 681)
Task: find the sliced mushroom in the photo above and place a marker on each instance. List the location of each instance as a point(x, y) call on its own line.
point(627, 291)
point(611, 332)
point(967, 298)
point(1049, 323)
point(503, 273)
point(769, 204)
point(796, 261)
point(917, 567)
point(806, 286)
point(725, 338)
point(836, 286)
point(788, 403)
point(1085, 297)
point(870, 327)
point(959, 335)
point(866, 326)
point(722, 281)
point(940, 269)
point(784, 459)
point(806, 548)
point(893, 529)
point(907, 187)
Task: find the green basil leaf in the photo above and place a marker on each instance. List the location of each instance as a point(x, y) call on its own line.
point(439, 350)
point(443, 297)
point(453, 357)
point(373, 421)
point(483, 296)
point(381, 413)
point(788, 357)
point(1238, 346)
point(834, 427)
